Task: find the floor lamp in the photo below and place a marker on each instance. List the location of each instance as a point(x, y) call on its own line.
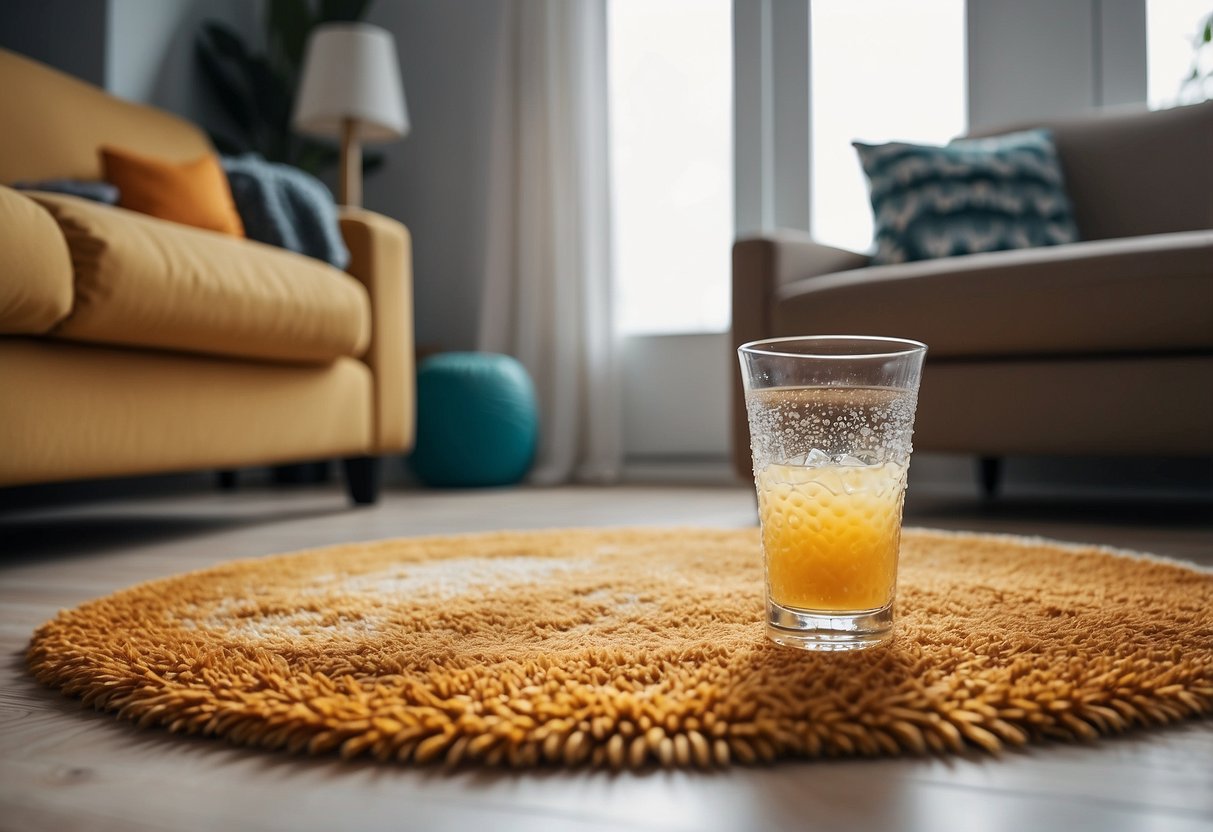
point(351, 89)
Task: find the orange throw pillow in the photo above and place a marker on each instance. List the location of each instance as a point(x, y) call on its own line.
point(192, 193)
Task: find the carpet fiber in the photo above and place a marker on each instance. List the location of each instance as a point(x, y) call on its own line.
point(627, 648)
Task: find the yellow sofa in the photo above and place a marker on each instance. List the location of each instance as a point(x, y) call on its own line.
point(131, 345)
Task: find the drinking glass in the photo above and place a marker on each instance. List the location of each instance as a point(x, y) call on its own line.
point(830, 424)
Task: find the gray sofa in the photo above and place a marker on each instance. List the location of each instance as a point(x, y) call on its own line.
point(1102, 347)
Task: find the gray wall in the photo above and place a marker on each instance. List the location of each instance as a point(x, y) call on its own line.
point(67, 34)
point(1034, 59)
point(150, 52)
point(1019, 69)
point(676, 396)
point(140, 50)
point(1120, 47)
point(436, 179)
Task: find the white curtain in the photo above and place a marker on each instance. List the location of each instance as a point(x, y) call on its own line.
point(547, 294)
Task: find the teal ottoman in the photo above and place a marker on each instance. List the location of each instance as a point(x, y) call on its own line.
point(477, 422)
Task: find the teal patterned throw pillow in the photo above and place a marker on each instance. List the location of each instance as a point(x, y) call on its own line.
point(970, 196)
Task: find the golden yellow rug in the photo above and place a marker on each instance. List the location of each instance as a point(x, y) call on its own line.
point(636, 647)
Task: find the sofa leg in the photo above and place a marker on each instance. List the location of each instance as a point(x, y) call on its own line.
point(989, 474)
point(362, 479)
point(226, 479)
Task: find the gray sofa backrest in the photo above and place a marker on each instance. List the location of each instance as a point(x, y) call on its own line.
point(1137, 173)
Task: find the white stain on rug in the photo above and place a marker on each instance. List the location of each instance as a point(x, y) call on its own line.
point(452, 578)
point(433, 581)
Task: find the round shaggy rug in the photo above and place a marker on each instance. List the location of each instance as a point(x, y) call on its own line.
point(627, 648)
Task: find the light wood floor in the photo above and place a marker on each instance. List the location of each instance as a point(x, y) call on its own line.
point(64, 768)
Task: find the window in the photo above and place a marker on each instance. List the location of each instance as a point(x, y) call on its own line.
point(881, 70)
point(671, 109)
point(1171, 29)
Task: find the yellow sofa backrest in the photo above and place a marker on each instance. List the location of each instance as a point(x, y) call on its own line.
point(53, 125)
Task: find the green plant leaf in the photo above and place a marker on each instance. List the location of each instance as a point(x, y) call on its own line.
point(343, 10)
point(224, 40)
point(273, 99)
point(287, 23)
point(226, 86)
point(227, 146)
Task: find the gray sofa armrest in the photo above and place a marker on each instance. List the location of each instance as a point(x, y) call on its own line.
point(764, 264)
point(793, 255)
point(761, 266)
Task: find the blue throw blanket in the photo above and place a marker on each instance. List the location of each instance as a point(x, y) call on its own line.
point(286, 207)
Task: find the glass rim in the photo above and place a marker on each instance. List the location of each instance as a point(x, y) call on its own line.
point(761, 347)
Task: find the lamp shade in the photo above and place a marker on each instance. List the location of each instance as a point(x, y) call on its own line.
point(350, 71)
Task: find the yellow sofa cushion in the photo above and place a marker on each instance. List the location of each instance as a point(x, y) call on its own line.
point(147, 282)
point(89, 411)
point(35, 269)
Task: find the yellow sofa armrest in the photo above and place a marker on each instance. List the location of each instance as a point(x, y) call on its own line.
point(381, 259)
point(36, 286)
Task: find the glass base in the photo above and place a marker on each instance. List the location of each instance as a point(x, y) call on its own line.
point(808, 630)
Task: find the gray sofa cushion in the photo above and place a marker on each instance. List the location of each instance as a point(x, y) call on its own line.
point(1137, 295)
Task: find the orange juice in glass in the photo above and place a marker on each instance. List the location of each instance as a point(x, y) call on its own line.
point(830, 425)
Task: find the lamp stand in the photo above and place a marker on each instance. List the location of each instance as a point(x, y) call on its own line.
point(351, 165)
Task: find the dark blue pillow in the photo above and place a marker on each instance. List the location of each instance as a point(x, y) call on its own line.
point(102, 192)
point(971, 196)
